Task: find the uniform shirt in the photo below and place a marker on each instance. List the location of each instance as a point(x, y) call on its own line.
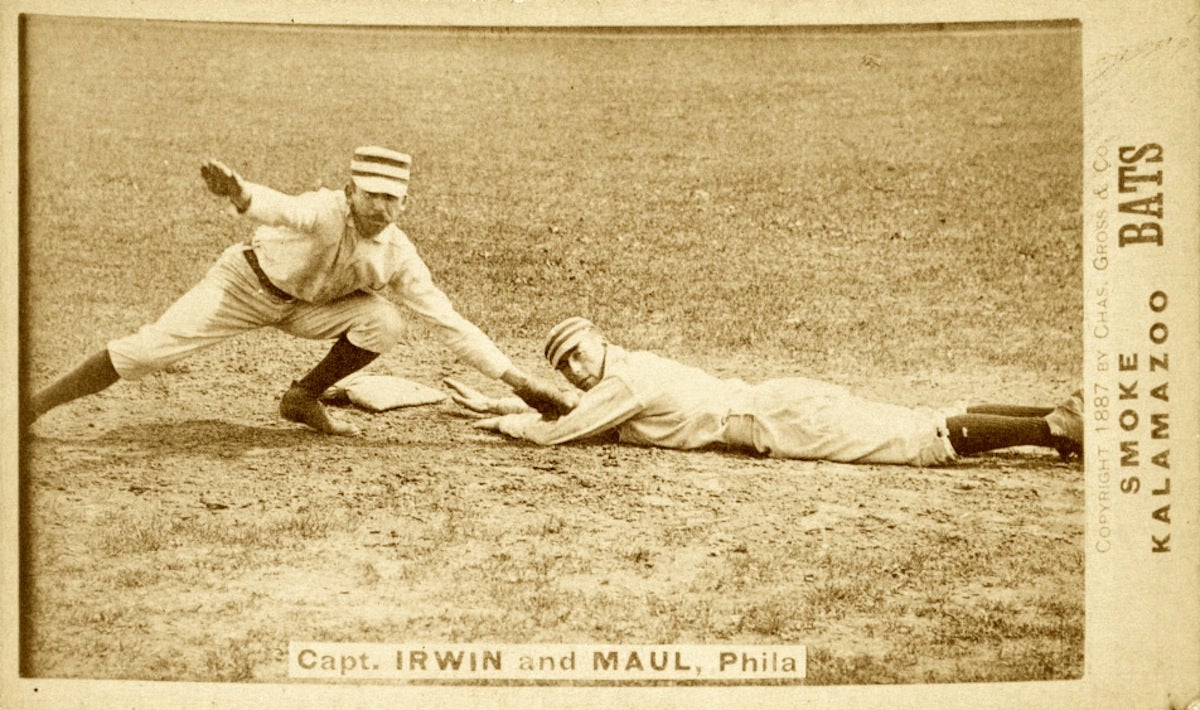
point(308, 246)
point(652, 401)
point(648, 399)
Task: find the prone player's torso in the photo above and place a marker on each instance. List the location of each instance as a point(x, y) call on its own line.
point(685, 407)
point(794, 417)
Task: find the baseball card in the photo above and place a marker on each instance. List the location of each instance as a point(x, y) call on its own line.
point(515, 353)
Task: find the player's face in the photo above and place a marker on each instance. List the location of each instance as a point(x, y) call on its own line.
point(373, 211)
point(583, 365)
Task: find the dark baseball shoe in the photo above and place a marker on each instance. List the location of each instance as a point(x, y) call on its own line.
point(1066, 426)
point(299, 406)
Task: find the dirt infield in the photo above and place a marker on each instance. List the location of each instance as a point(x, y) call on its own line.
point(896, 212)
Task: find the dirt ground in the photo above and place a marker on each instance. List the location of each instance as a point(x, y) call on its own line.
point(179, 529)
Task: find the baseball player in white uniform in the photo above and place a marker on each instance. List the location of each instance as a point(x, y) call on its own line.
point(318, 266)
point(653, 401)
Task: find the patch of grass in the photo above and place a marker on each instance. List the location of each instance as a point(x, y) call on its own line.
point(306, 524)
point(135, 532)
point(134, 578)
point(839, 596)
point(122, 532)
point(231, 662)
point(777, 617)
point(828, 668)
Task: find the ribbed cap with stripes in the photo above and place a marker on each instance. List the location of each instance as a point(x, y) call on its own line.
point(376, 169)
point(564, 336)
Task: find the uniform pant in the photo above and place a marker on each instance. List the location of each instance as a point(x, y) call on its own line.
point(797, 418)
point(229, 300)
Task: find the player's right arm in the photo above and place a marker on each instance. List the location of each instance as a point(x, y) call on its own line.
point(602, 408)
point(223, 181)
point(301, 213)
point(472, 399)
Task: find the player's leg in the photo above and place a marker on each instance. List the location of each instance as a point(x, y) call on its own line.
point(811, 420)
point(89, 377)
point(224, 303)
point(301, 401)
point(364, 326)
point(975, 433)
point(1059, 428)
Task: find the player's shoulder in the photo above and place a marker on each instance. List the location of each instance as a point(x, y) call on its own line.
point(645, 359)
point(333, 197)
point(396, 237)
point(324, 199)
point(635, 367)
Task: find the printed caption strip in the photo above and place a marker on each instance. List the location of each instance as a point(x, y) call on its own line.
point(552, 662)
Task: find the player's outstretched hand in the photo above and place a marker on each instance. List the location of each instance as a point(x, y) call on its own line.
point(468, 397)
point(479, 403)
point(490, 424)
point(221, 179)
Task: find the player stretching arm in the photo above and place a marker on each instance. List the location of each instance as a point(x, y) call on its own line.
point(317, 266)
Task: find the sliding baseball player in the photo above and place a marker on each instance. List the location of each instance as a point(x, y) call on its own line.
point(653, 401)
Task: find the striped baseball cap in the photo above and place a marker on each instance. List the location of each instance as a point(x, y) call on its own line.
point(565, 336)
point(376, 169)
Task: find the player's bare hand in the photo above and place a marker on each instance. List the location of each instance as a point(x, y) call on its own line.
point(489, 424)
point(469, 397)
point(221, 179)
point(478, 403)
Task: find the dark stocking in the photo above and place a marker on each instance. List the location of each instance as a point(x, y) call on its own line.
point(972, 433)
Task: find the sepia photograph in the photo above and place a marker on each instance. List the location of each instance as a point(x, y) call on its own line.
point(472, 356)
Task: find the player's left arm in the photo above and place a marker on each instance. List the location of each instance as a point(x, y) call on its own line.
point(415, 288)
point(479, 403)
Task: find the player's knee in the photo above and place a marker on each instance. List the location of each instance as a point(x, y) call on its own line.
point(379, 332)
point(132, 360)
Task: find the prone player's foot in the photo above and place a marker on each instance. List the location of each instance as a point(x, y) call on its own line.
point(299, 406)
point(1066, 426)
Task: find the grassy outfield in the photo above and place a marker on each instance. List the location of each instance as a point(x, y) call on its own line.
point(895, 211)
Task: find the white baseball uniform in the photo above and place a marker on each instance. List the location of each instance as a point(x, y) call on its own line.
point(317, 278)
point(652, 401)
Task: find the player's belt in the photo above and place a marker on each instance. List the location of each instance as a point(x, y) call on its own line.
point(252, 260)
point(739, 430)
